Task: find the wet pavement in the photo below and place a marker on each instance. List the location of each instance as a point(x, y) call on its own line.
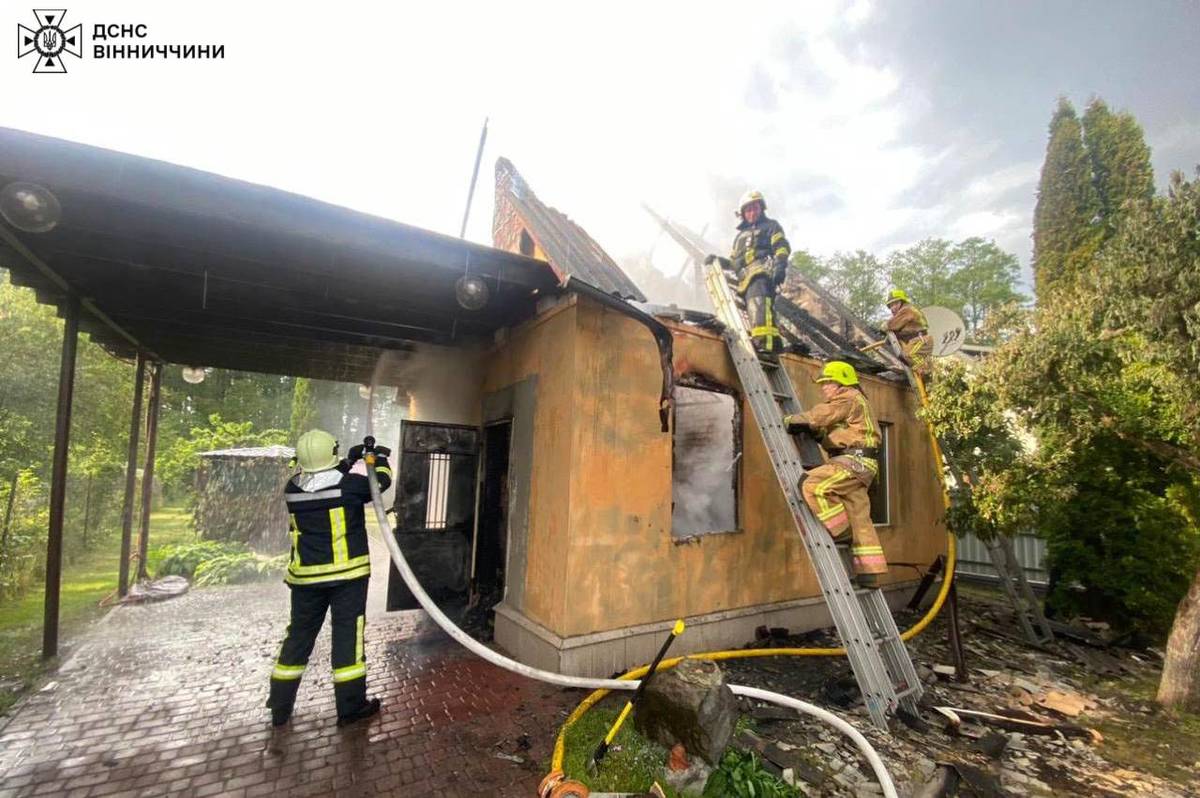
point(167, 699)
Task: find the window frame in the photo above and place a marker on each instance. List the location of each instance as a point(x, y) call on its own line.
point(883, 478)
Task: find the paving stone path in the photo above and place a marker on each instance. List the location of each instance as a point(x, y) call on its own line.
point(168, 699)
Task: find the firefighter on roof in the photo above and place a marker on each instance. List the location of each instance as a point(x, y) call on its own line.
point(759, 259)
point(328, 571)
point(912, 331)
point(836, 492)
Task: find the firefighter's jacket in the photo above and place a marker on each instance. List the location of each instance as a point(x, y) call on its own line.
point(327, 523)
point(848, 428)
point(756, 248)
point(908, 323)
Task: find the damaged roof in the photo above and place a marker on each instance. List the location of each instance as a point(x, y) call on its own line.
point(563, 243)
point(809, 315)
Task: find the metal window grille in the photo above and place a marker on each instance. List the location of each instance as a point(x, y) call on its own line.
point(438, 494)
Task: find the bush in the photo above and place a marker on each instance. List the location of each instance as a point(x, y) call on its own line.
point(741, 775)
point(184, 559)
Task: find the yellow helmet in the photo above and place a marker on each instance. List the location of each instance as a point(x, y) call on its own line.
point(839, 372)
point(897, 295)
point(316, 450)
point(747, 198)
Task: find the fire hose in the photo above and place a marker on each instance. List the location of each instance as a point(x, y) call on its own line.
point(629, 680)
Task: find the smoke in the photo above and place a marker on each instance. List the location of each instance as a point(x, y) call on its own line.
point(703, 489)
point(442, 384)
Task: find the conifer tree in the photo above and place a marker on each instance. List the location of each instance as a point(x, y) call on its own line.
point(1066, 210)
point(1120, 162)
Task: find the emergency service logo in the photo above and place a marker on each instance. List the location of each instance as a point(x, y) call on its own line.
point(50, 42)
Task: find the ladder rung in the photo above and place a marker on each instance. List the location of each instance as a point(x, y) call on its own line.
point(782, 396)
point(905, 693)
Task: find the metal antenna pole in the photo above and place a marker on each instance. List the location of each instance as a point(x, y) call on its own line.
point(474, 175)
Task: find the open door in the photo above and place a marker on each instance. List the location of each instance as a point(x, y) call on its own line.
point(491, 538)
point(434, 510)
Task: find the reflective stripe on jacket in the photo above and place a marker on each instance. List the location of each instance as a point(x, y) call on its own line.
point(756, 247)
point(327, 523)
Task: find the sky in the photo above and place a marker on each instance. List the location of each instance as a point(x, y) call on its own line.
point(867, 125)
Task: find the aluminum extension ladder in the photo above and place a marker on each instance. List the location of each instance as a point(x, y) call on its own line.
point(1020, 594)
point(1004, 559)
point(878, 658)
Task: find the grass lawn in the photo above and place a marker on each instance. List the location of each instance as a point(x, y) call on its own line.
point(91, 577)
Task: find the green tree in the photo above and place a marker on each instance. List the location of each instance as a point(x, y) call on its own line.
point(984, 278)
point(926, 271)
point(856, 278)
point(1119, 159)
point(304, 408)
point(1067, 205)
point(811, 266)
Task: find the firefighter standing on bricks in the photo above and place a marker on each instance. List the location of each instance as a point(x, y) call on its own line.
point(912, 331)
point(837, 490)
point(759, 259)
point(328, 571)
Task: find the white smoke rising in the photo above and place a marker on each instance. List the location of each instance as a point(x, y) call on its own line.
point(703, 489)
point(443, 384)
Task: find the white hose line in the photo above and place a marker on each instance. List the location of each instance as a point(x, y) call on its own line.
point(496, 658)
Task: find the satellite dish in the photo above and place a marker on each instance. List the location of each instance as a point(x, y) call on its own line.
point(946, 330)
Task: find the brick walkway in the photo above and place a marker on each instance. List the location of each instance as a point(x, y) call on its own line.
point(168, 700)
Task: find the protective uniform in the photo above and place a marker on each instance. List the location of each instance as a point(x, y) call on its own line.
point(760, 256)
point(837, 491)
point(329, 570)
point(912, 330)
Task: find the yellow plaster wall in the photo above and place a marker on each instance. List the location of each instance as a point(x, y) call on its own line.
point(544, 347)
point(621, 563)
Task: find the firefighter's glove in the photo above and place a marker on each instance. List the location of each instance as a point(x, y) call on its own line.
point(780, 273)
point(795, 424)
point(355, 454)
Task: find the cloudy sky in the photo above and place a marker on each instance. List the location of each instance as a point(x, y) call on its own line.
point(868, 125)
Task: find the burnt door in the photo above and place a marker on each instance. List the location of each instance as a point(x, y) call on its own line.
point(491, 541)
point(434, 510)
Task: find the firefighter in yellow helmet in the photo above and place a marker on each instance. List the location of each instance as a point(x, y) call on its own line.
point(836, 491)
point(328, 572)
point(759, 259)
point(912, 331)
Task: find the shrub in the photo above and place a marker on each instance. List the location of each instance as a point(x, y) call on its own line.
point(741, 775)
point(184, 559)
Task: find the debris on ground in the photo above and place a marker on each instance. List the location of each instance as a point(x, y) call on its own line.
point(1027, 722)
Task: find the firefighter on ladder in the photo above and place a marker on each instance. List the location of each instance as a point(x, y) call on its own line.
point(759, 259)
point(328, 571)
point(912, 331)
point(836, 491)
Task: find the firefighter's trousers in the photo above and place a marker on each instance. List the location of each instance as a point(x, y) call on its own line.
point(760, 308)
point(347, 604)
point(836, 492)
point(918, 353)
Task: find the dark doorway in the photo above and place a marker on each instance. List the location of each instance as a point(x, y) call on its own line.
point(491, 540)
point(434, 510)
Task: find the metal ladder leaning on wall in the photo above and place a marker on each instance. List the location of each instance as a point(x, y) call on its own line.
point(1004, 558)
point(878, 658)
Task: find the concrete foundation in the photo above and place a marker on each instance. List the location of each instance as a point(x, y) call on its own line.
point(602, 654)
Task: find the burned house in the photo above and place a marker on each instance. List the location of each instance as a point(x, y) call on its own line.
point(592, 465)
point(602, 526)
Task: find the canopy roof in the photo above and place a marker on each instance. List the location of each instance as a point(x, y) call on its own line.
point(195, 268)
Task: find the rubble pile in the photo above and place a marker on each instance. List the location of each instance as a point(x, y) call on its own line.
point(1023, 722)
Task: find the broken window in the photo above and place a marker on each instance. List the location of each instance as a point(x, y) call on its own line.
point(880, 505)
point(707, 448)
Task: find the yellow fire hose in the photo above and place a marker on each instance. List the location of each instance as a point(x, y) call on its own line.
point(556, 761)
